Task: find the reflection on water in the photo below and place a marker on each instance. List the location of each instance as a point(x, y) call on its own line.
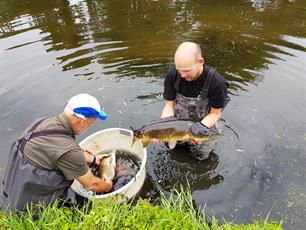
point(120, 51)
point(175, 168)
point(91, 33)
point(262, 5)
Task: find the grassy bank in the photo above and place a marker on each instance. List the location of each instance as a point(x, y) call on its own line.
point(172, 213)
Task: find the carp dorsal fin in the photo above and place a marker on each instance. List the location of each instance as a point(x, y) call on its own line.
point(166, 119)
point(160, 121)
point(113, 158)
point(171, 118)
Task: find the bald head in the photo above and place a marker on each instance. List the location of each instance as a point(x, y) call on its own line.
point(189, 61)
point(188, 50)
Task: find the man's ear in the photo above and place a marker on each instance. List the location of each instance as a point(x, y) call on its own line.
point(82, 122)
point(201, 60)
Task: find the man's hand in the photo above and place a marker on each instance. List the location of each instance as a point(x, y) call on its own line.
point(155, 140)
point(100, 157)
point(97, 158)
point(96, 184)
point(194, 142)
point(199, 129)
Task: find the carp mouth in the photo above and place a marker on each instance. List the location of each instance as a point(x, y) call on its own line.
point(134, 135)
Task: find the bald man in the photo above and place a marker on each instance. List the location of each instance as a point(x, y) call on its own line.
point(195, 91)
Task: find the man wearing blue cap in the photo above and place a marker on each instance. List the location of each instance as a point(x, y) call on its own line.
point(46, 159)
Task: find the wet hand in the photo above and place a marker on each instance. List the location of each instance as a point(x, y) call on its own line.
point(194, 142)
point(108, 186)
point(100, 157)
point(155, 140)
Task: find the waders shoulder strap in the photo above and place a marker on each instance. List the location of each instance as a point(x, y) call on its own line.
point(204, 92)
point(31, 134)
point(177, 82)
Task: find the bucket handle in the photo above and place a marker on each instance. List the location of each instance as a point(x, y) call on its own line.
point(125, 132)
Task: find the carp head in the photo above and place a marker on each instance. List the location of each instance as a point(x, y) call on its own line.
point(139, 134)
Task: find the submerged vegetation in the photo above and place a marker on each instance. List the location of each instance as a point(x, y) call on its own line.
point(175, 212)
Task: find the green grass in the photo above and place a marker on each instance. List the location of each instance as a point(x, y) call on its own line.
point(176, 212)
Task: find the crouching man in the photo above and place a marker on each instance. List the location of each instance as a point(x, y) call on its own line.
point(46, 159)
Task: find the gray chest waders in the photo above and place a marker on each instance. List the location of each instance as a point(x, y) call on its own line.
point(196, 109)
point(24, 183)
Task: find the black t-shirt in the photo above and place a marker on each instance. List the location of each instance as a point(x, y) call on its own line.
point(217, 91)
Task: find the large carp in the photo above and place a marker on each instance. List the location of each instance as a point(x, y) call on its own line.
point(127, 167)
point(171, 130)
point(116, 166)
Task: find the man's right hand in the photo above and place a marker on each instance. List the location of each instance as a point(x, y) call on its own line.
point(108, 186)
point(96, 184)
point(155, 140)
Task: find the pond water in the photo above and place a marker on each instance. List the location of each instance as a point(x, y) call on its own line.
point(120, 51)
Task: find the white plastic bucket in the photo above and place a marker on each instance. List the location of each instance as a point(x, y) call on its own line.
point(116, 138)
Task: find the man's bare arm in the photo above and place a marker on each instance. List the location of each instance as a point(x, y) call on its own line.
point(210, 119)
point(168, 109)
point(90, 182)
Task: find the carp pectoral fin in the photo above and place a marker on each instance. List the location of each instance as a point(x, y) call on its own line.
point(108, 173)
point(145, 143)
point(172, 144)
point(113, 159)
point(112, 176)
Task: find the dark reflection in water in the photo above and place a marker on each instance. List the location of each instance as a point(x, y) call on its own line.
point(122, 35)
point(174, 168)
point(119, 51)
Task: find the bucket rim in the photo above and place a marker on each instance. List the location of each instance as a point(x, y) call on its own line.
point(105, 130)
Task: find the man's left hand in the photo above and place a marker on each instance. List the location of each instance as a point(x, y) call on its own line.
point(194, 142)
point(90, 157)
point(100, 157)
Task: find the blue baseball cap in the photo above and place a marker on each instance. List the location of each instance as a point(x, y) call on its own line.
point(85, 106)
point(88, 112)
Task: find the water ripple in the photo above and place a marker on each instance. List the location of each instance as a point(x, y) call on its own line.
point(21, 22)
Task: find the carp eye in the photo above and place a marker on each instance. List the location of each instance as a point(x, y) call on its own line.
point(137, 133)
